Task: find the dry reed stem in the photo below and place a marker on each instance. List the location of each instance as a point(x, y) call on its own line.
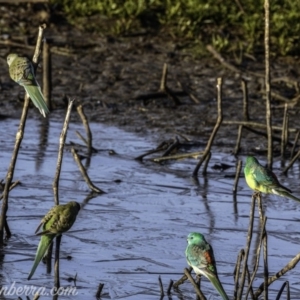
point(196, 287)
point(255, 124)
point(56, 263)
point(237, 176)
point(99, 290)
point(84, 173)
point(266, 268)
point(245, 100)
point(268, 84)
point(288, 296)
point(13, 185)
point(161, 287)
point(182, 279)
point(238, 140)
point(295, 143)
point(47, 74)
point(291, 162)
point(87, 128)
point(19, 137)
point(62, 140)
point(216, 128)
point(178, 156)
point(249, 238)
point(170, 287)
point(283, 132)
point(206, 162)
point(237, 272)
point(164, 88)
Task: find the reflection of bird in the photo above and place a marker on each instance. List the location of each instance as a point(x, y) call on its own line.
point(22, 72)
point(200, 257)
point(261, 179)
point(58, 220)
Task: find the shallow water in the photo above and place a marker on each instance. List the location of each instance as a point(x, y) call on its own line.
point(137, 231)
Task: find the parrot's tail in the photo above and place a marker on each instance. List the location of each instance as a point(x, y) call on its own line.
point(35, 94)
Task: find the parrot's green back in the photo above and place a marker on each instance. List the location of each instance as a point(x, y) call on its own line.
point(200, 257)
point(261, 179)
point(22, 72)
point(58, 220)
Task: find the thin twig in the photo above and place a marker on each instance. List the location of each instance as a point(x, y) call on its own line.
point(19, 137)
point(161, 287)
point(56, 263)
point(170, 287)
point(216, 128)
point(13, 185)
point(237, 272)
point(196, 287)
point(62, 140)
point(295, 143)
point(237, 176)
point(249, 238)
point(84, 173)
point(238, 140)
point(99, 290)
point(288, 296)
point(291, 162)
point(245, 100)
point(266, 268)
point(87, 128)
point(179, 156)
point(182, 279)
point(204, 171)
point(47, 74)
point(268, 84)
point(292, 264)
point(283, 132)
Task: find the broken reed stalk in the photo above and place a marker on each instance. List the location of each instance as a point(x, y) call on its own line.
point(237, 176)
point(288, 295)
point(164, 88)
point(216, 128)
point(19, 137)
point(62, 140)
point(249, 238)
point(257, 257)
point(84, 173)
point(171, 147)
point(170, 287)
point(87, 128)
point(237, 272)
point(248, 277)
point(36, 296)
point(255, 124)
point(295, 143)
point(204, 171)
point(182, 279)
point(195, 285)
point(268, 84)
point(283, 132)
point(14, 184)
point(291, 162)
point(238, 140)
point(99, 290)
point(245, 100)
point(178, 156)
point(266, 268)
point(47, 74)
point(271, 279)
point(161, 287)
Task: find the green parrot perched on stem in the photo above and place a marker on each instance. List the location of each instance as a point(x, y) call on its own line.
point(58, 220)
point(261, 179)
point(200, 257)
point(21, 71)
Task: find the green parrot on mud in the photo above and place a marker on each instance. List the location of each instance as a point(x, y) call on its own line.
point(21, 71)
point(261, 179)
point(57, 221)
point(200, 257)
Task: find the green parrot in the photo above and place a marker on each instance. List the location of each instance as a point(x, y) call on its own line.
point(21, 71)
point(261, 179)
point(58, 220)
point(200, 257)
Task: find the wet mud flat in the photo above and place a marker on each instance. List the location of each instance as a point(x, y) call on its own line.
point(137, 231)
